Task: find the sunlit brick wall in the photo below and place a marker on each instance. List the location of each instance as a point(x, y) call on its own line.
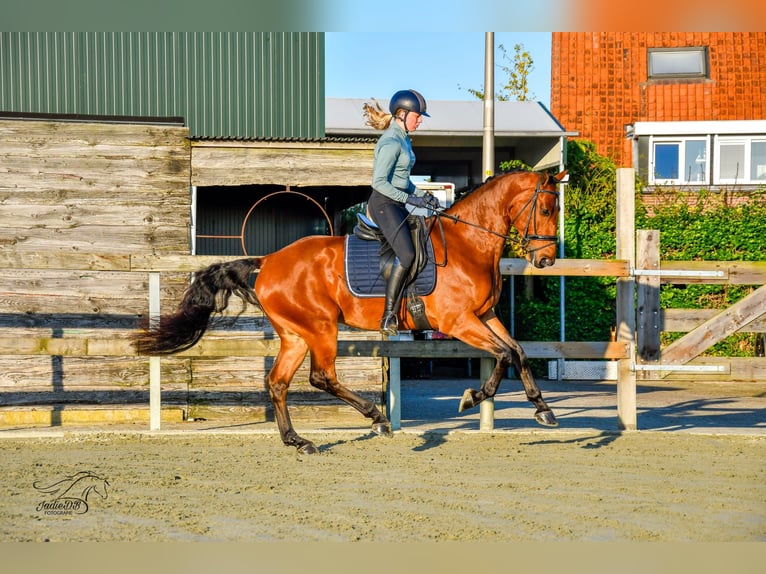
point(599, 83)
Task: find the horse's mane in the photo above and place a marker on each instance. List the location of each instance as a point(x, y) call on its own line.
point(469, 191)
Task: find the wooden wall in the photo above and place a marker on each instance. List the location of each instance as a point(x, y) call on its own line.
point(114, 189)
point(77, 187)
point(221, 162)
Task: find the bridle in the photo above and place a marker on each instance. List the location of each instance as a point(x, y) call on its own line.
point(528, 236)
point(532, 221)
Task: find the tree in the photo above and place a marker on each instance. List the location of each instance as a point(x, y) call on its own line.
point(517, 69)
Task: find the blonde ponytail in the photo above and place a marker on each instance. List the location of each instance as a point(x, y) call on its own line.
point(376, 117)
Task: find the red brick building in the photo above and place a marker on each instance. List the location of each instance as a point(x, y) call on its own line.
point(684, 108)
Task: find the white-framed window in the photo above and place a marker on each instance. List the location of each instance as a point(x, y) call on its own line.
point(700, 153)
point(740, 159)
point(679, 160)
point(688, 62)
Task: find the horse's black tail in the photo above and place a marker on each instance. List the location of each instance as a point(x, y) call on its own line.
point(209, 292)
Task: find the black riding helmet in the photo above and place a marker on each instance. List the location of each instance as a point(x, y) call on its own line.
point(408, 100)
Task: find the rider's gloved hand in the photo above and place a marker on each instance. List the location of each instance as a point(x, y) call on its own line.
point(426, 201)
point(433, 201)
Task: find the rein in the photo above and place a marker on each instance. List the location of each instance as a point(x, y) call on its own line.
point(524, 241)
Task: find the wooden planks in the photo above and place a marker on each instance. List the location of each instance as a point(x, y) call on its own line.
point(88, 210)
point(39, 156)
point(293, 163)
point(77, 200)
point(625, 304)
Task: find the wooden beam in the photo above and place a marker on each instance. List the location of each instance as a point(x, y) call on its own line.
point(64, 260)
point(648, 300)
point(575, 267)
point(457, 349)
point(244, 346)
point(307, 164)
point(725, 323)
point(734, 272)
point(685, 320)
point(177, 263)
point(182, 263)
point(627, 412)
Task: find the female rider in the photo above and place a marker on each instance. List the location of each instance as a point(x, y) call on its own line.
point(392, 189)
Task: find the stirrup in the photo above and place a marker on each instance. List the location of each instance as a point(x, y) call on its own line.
point(389, 325)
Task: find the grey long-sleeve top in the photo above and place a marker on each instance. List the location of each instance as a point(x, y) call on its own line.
point(393, 161)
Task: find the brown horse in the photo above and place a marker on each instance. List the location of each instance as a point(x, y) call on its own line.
point(302, 290)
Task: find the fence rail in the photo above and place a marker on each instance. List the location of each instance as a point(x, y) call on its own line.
point(243, 346)
point(239, 344)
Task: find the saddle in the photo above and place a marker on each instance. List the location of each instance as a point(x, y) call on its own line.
point(369, 259)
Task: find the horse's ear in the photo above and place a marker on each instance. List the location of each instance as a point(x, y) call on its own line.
point(562, 176)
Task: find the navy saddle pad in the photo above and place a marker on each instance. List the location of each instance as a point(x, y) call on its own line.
point(362, 262)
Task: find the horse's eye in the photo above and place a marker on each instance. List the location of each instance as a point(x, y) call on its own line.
point(546, 212)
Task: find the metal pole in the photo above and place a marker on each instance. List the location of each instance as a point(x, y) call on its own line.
point(562, 285)
point(487, 407)
point(488, 143)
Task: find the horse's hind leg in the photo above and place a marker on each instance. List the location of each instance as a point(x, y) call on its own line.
point(291, 354)
point(323, 376)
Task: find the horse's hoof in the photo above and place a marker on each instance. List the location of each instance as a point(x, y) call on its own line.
point(546, 418)
point(383, 429)
point(466, 402)
point(308, 448)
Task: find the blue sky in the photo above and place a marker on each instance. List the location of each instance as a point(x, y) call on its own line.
point(441, 65)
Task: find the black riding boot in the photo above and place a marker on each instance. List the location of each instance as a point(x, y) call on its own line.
point(389, 324)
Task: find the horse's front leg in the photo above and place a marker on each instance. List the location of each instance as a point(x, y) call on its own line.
point(495, 339)
point(488, 389)
point(543, 413)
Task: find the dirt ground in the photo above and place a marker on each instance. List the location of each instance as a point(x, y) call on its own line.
point(438, 479)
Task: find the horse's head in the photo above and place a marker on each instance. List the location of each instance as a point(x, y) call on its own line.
point(95, 484)
point(77, 486)
point(535, 215)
